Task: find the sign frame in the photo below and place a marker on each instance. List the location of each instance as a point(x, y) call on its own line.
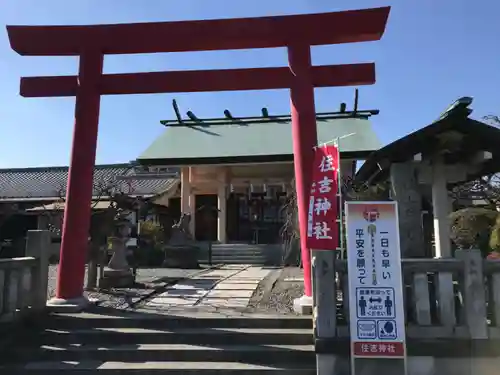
point(394, 312)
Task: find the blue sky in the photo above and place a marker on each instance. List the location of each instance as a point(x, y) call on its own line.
point(432, 53)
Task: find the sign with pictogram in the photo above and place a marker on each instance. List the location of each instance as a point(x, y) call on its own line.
point(375, 282)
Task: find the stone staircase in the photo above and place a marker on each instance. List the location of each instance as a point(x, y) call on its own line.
point(244, 254)
point(146, 344)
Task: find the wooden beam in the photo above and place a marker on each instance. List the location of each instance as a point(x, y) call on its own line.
point(239, 33)
point(200, 80)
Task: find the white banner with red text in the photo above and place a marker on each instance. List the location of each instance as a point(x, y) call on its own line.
point(322, 223)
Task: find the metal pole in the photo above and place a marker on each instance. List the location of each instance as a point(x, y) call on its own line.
point(340, 206)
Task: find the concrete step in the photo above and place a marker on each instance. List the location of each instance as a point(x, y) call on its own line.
point(145, 368)
point(240, 251)
point(245, 256)
point(131, 320)
point(239, 257)
point(237, 254)
point(283, 355)
point(202, 336)
point(134, 343)
point(237, 261)
point(246, 247)
point(243, 250)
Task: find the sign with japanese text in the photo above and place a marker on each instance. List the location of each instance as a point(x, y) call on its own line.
point(322, 226)
point(376, 305)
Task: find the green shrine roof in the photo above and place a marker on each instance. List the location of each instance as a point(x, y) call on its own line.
point(254, 140)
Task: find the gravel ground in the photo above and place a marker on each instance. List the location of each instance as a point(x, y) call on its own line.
point(276, 292)
point(147, 281)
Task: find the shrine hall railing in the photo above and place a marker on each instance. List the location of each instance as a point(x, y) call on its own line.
point(23, 280)
point(444, 298)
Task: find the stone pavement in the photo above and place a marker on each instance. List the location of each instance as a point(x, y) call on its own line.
point(228, 287)
point(144, 275)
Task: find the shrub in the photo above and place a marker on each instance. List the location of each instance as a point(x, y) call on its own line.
point(152, 233)
point(151, 240)
point(471, 227)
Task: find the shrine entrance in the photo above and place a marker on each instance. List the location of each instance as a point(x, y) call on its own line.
point(254, 218)
point(205, 228)
point(297, 33)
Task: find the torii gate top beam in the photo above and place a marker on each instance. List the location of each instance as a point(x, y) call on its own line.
point(241, 33)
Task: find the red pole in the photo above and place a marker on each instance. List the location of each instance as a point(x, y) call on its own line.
point(304, 135)
point(76, 223)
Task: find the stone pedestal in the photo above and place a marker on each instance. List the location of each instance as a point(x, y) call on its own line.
point(61, 305)
point(303, 305)
point(118, 273)
point(116, 278)
point(181, 256)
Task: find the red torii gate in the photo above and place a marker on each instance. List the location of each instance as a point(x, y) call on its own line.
point(91, 43)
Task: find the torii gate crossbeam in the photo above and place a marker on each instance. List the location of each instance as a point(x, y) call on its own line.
point(298, 33)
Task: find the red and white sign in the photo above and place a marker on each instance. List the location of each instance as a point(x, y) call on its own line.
point(376, 305)
point(322, 226)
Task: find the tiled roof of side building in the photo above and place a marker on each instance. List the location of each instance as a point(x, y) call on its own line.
point(50, 182)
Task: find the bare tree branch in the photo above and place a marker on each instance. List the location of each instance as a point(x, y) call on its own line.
point(486, 188)
point(493, 119)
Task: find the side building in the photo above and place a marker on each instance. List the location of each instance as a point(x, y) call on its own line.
point(33, 198)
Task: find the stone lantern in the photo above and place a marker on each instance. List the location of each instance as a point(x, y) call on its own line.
point(118, 272)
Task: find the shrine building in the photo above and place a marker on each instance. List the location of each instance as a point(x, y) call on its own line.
point(235, 172)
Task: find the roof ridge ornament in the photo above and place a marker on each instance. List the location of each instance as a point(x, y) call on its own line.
point(459, 106)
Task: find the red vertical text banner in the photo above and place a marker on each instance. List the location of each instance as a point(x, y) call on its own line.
point(322, 226)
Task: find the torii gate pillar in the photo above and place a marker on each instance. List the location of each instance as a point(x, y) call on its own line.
point(304, 135)
point(76, 224)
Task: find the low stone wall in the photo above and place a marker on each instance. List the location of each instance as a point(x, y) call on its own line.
point(418, 366)
point(425, 357)
point(23, 288)
point(23, 280)
point(452, 315)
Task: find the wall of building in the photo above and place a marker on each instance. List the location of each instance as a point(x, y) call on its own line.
point(220, 180)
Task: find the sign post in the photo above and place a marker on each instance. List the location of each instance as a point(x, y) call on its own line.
point(377, 322)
